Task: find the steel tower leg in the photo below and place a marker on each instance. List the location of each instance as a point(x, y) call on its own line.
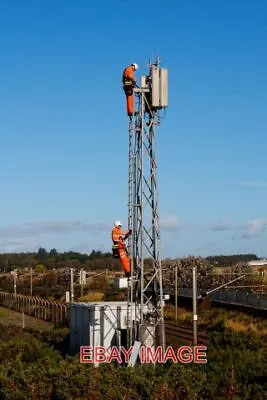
point(130, 300)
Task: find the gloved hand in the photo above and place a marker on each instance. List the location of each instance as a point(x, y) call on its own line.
point(130, 231)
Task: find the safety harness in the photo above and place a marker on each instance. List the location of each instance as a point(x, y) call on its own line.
point(115, 251)
point(128, 85)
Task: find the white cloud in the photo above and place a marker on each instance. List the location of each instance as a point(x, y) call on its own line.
point(31, 235)
point(11, 243)
point(254, 228)
point(257, 226)
point(253, 183)
point(24, 237)
point(221, 226)
point(170, 223)
point(18, 244)
point(38, 228)
point(29, 229)
point(250, 229)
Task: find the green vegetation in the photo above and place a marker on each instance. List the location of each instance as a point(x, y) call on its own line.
point(53, 284)
point(226, 261)
point(35, 365)
point(44, 259)
point(219, 318)
point(96, 260)
point(51, 273)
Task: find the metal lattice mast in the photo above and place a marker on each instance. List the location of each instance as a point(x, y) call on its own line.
point(145, 290)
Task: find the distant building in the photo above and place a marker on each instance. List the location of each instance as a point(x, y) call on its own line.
point(258, 263)
point(259, 266)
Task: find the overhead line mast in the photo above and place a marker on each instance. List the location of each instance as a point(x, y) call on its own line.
point(145, 292)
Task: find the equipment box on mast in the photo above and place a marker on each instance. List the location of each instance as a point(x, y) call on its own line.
point(159, 87)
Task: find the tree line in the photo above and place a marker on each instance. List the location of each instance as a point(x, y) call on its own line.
point(230, 260)
point(52, 259)
point(95, 260)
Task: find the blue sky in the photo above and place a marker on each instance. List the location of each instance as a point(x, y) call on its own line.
point(64, 130)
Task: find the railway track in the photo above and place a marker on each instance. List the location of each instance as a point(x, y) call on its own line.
point(185, 334)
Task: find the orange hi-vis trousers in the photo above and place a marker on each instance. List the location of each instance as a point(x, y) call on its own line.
point(126, 265)
point(130, 105)
point(128, 85)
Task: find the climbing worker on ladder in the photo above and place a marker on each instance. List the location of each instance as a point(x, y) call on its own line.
point(129, 82)
point(119, 249)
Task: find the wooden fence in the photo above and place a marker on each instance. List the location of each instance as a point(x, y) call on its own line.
point(36, 306)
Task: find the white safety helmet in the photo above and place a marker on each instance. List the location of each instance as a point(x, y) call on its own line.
point(135, 66)
point(117, 223)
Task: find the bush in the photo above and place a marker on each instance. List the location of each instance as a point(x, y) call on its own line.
point(34, 365)
point(40, 268)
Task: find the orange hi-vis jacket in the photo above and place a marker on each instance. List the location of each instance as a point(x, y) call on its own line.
point(117, 238)
point(128, 76)
point(117, 235)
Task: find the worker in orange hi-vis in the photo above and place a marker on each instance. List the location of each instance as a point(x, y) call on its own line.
point(129, 82)
point(119, 248)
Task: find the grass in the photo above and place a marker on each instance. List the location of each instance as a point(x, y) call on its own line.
point(234, 321)
point(9, 317)
point(3, 313)
point(92, 296)
point(255, 327)
point(183, 315)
